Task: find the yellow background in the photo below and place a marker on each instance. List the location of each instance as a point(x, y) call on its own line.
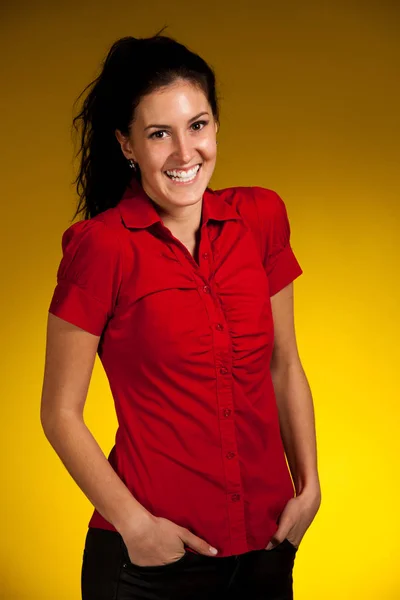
point(310, 108)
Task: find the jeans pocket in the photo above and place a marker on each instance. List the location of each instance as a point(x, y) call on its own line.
point(152, 568)
point(284, 546)
point(290, 545)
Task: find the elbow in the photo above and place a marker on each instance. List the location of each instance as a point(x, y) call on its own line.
point(282, 366)
point(52, 419)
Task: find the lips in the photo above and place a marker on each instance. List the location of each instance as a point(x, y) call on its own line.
point(183, 180)
point(184, 170)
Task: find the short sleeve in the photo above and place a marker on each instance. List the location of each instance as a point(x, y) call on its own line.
point(88, 276)
point(280, 262)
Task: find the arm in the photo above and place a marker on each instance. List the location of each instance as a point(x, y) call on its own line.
point(296, 420)
point(293, 397)
point(70, 355)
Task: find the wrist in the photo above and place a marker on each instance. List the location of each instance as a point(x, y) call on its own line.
point(311, 493)
point(308, 486)
point(136, 522)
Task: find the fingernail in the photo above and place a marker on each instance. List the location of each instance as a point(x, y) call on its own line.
point(213, 550)
point(269, 547)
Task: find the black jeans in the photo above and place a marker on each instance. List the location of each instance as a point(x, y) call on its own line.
point(108, 574)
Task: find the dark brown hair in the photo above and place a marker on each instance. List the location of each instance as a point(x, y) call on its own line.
point(133, 68)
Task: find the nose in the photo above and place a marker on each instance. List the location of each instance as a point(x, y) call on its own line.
point(182, 149)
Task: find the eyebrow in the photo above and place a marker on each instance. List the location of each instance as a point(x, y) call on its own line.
point(167, 126)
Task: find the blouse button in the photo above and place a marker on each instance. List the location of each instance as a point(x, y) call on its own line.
point(205, 255)
point(227, 412)
point(223, 370)
point(219, 326)
point(230, 455)
point(206, 289)
point(235, 497)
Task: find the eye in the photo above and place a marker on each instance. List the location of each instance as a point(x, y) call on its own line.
point(199, 123)
point(155, 134)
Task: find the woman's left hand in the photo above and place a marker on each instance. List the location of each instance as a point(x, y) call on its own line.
point(296, 517)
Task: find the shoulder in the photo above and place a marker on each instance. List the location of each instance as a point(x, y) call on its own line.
point(265, 203)
point(92, 254)
point(95, 236)
point(268, 202)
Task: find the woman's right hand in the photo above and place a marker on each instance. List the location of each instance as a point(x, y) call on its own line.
point(160, 542)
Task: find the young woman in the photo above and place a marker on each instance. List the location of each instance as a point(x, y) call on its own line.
point(186, 294)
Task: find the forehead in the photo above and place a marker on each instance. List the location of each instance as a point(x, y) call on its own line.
point(179, 100)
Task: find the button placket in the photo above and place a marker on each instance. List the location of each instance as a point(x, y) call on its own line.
point(223, 357)
point(205, 256)
point(203, 268)
point(222, 347)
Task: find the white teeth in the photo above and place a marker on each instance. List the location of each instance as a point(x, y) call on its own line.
point(184, 174)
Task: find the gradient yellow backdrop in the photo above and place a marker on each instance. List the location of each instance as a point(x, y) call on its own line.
point(310, 108)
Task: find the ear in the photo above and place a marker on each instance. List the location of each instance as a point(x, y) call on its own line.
point(125, 143)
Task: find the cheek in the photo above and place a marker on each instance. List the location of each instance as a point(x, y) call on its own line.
point(208, 148)
point(156, 158)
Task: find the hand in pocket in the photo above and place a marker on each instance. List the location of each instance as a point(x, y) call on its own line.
point(161, 542)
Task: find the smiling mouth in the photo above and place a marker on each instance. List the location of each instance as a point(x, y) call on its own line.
point(184, 179)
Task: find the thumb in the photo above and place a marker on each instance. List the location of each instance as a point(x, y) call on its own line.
point(197, 543)
point(275, 540)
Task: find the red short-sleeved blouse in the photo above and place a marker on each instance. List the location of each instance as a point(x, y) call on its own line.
point(186, 347)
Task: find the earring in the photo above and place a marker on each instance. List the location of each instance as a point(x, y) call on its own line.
point(132, 164)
